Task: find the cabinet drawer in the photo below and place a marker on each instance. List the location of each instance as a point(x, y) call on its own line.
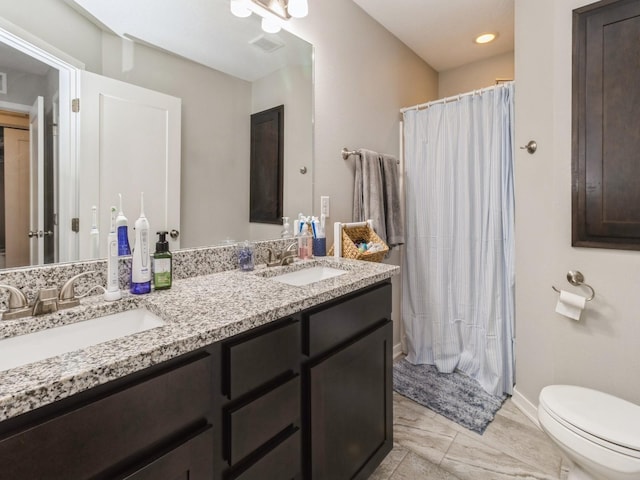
point(255, 359)
point(283, 462)
point(251, 425)
point(191, 460)
point(113, 429)
point(329, 326)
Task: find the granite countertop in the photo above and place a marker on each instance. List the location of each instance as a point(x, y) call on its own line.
point(197, 311)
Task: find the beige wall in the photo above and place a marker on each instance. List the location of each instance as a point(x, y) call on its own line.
point(363, 76)
point(601, 351)
point(476, 75)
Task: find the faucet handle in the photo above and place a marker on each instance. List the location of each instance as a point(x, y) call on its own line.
point(46, 302)
point(18, 304)
point(67, 297)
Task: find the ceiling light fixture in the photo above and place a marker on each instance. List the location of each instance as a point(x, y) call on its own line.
point(239, 8)
point(273, 12)
point(486, 38)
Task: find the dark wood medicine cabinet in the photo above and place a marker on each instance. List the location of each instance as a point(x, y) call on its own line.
point(267, 166)
point(606, 125)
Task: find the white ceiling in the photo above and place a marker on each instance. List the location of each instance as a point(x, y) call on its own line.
point(206, 33)
point(441, 32)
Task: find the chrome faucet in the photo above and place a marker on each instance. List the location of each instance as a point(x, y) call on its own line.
point(67, 297)
point(285, 257)
point(18, 307)
point(48, 300)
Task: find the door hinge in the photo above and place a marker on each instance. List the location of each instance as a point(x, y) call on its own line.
point(75, 105)
point(75, 225)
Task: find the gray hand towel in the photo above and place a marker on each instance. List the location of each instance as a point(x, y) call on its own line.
point(368, 191)
point(394, 226)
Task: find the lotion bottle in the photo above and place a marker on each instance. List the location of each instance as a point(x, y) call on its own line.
point(122, 227)
point(113, 274)
point(162, 263)
point(141, 260)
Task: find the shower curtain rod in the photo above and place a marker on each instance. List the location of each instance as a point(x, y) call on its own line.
point(452, 98)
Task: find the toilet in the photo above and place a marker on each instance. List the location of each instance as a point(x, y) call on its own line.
point(598, 432)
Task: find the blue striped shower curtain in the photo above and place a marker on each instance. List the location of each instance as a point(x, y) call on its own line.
point(458, 273)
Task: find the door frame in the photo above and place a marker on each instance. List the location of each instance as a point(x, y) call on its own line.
point(68, 69)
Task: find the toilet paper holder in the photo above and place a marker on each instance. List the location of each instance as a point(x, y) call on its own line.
point(575, 278)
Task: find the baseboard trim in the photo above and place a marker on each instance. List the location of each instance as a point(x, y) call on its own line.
point(525, 406)
point(397, 351)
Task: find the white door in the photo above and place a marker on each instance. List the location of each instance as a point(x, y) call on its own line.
point(129, 143)
point(36, 143)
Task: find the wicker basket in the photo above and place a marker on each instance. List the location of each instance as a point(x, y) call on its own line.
point(353, 235)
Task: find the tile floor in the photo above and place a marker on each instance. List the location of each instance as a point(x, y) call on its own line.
point(429, 446)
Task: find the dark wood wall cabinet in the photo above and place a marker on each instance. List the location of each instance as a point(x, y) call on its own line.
point(305, 397)
point(606, 130)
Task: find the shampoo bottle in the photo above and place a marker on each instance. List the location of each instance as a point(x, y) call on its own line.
point(162, 263)
point(94, 234)
point(141, 260)
point(113, 278)
point(122, 227)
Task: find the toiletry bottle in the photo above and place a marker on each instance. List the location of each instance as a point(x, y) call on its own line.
point(162, 263)
point(319, 240)
point(123, 232)
point(305, 243)
point(113, 275)
point(94, 234)
point(141, 260)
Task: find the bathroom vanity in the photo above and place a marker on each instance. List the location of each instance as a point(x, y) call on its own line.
point(248, 379)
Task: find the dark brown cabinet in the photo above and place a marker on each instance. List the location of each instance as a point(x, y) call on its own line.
point(306, 397)
point(348, 386)
point(258, 404)
point(606, 137)
point(112, 431)
point(187, 461)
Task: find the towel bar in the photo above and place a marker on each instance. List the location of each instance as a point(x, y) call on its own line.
point(346, 153)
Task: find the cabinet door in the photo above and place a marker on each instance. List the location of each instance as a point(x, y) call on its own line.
point(350, 417)
point(189, 461)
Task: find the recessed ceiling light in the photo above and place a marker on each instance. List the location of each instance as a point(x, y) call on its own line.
point(486, 38)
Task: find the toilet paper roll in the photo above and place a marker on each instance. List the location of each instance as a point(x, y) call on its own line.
point(570, 305)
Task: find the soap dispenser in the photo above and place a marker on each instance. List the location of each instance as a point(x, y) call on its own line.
point(162, 263)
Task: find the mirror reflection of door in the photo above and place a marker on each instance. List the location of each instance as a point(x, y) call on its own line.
point(15, 189)
point(32, 87)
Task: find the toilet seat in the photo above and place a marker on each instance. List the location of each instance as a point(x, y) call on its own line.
point(603, 419)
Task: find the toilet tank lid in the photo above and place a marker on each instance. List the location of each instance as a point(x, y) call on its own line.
point(599, 414)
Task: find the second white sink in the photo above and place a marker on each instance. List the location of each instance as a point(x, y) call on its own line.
point(32, 347)
point(307, 276)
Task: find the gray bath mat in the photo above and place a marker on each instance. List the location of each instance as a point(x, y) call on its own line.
point(452, 395)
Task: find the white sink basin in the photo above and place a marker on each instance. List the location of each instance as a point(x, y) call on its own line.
point(307, 276)
point(24, 349)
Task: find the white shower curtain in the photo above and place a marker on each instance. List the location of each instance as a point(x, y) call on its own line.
point(458, 284)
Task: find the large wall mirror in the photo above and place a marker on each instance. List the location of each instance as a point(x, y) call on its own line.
point(222, 68)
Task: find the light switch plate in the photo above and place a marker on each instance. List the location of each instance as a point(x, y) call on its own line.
point(324, 206)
